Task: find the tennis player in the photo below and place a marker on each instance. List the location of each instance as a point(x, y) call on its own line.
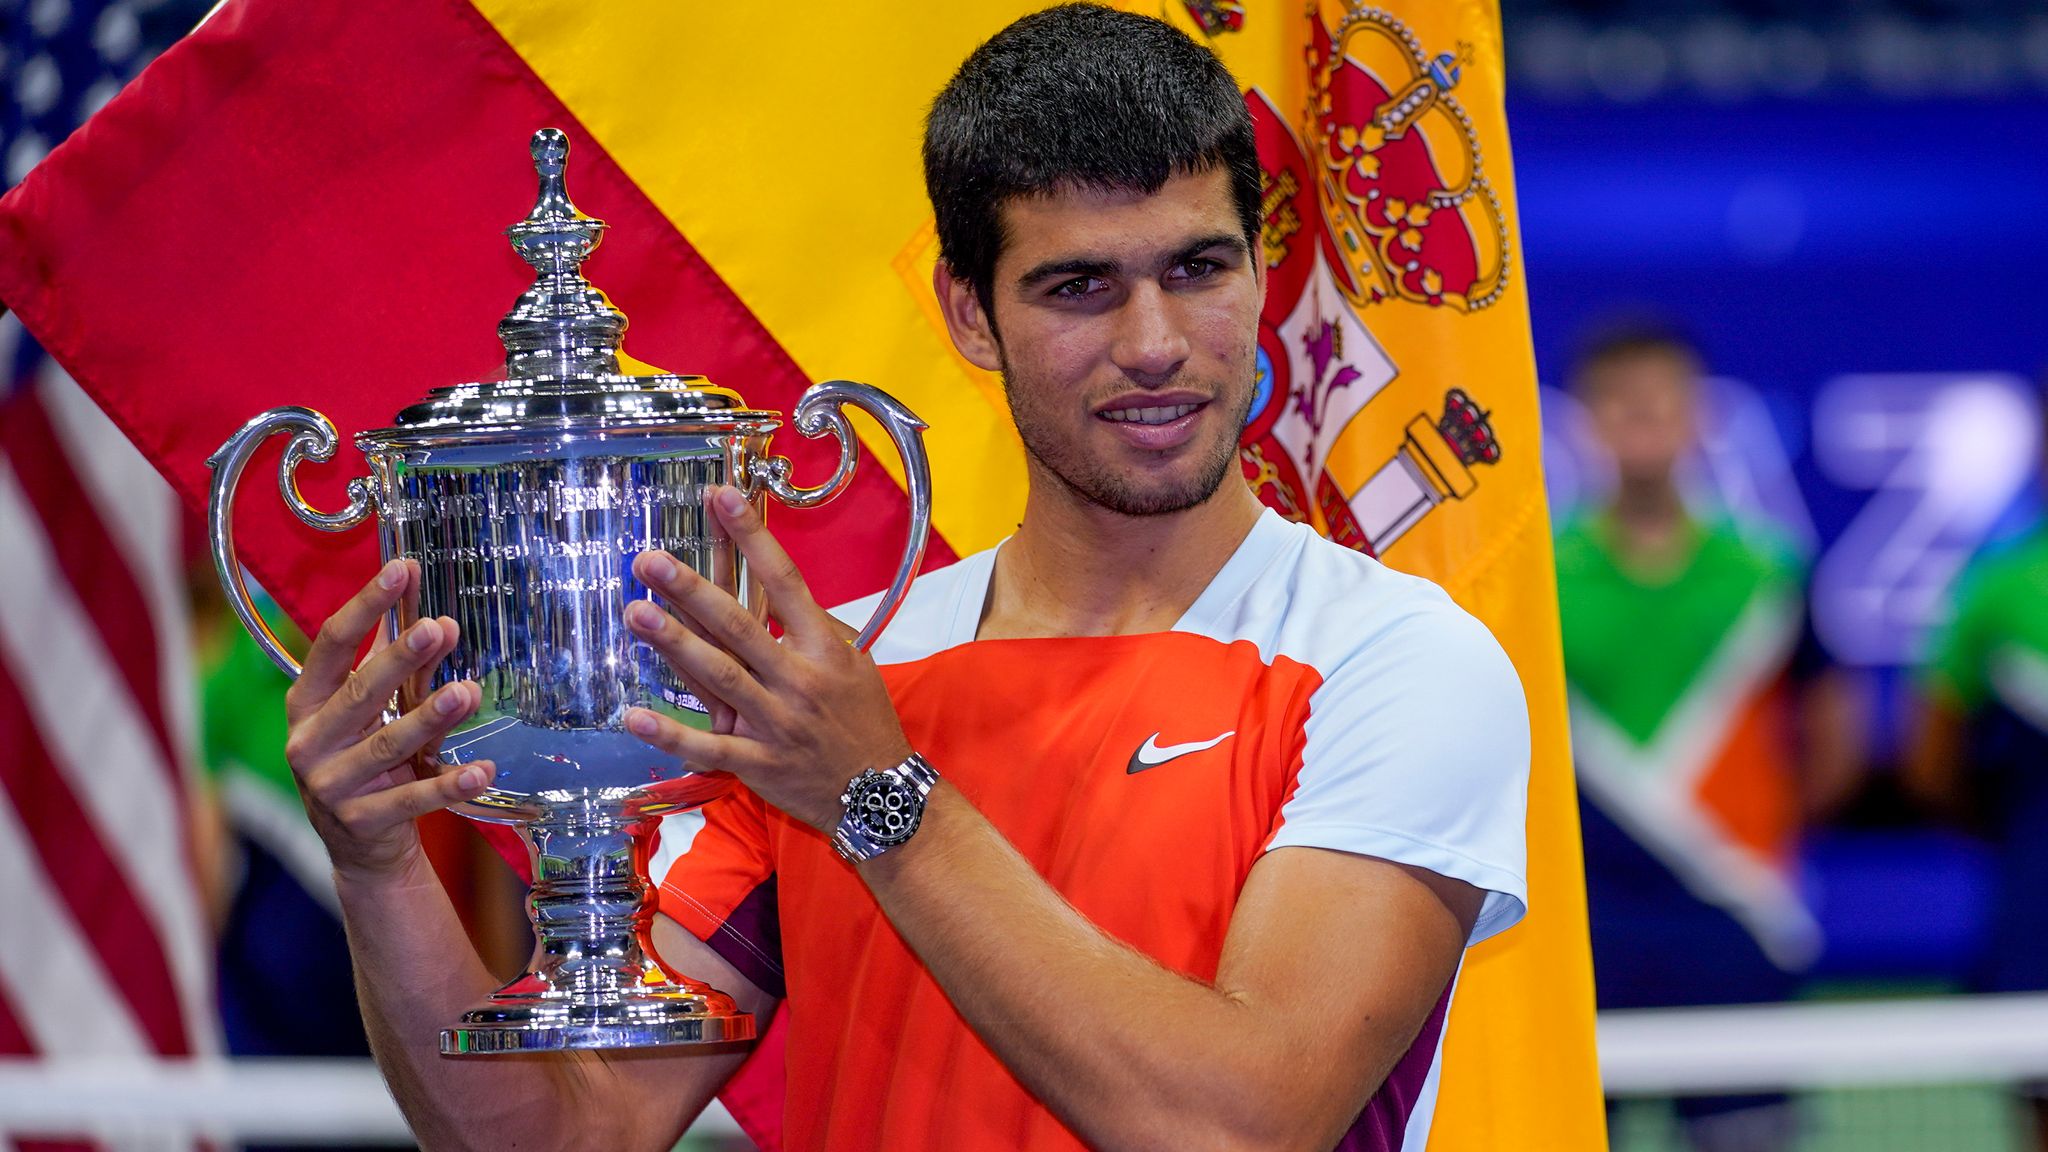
point(1165, 824)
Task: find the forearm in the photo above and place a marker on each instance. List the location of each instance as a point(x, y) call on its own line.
point(416, 971)
point(1127, 1053)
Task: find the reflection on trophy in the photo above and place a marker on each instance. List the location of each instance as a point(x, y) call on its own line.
point(524, 502)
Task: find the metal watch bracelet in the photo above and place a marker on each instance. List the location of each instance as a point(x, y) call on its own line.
point(910, 783)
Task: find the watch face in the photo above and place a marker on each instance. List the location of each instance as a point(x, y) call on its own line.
point(885, 806)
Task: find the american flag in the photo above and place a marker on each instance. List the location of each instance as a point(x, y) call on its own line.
point(105, 951)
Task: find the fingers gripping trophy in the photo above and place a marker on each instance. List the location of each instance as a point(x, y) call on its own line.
point(523, 502)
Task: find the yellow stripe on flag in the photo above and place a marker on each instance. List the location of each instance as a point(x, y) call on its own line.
point(783, 143)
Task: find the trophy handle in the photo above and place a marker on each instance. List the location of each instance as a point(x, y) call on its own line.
point(822, 410)
point(313, 437)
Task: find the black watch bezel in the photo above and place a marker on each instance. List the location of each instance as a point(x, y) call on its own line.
point(867, 805)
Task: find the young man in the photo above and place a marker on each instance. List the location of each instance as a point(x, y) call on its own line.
point(1202, 810)
point(1679, 633)
point(1980, 740)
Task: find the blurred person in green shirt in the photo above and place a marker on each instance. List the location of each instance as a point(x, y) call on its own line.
point(1687, 653)
point(1979, 756)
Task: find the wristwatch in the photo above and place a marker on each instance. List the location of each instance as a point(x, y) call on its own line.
point(883, 808)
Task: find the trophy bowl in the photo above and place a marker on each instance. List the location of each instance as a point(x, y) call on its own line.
point(524, 502)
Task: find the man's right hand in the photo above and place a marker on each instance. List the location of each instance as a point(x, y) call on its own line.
point(364, 781)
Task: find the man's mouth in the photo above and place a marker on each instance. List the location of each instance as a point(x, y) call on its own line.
point(1165, 414)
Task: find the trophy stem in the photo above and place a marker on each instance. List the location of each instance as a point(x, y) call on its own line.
point(594, 980)
point(590, 907)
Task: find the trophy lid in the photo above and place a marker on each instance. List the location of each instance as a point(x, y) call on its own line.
point(562, 340)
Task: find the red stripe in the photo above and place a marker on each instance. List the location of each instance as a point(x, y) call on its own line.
point(84, 875)
point(55, 1146)
point(336, 178)
point(302, 204)
point(14, 1039)
point(93, 563)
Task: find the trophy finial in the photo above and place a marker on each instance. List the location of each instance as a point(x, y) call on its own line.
point(562, 326)
point(550, 148)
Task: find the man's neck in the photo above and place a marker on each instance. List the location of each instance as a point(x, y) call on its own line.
point(1078, 569)
point(1653, 531)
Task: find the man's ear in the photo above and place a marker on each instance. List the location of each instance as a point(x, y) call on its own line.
point(969, 324)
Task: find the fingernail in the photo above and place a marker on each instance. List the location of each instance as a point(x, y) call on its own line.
point(424, 635)
point(640, 722)
point(392, 576)
point(660, 567)
point(731, 502)
point(641, 614)
point(450, 700)
point(474, 776)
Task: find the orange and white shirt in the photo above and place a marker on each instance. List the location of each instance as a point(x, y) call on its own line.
point(1310, 696)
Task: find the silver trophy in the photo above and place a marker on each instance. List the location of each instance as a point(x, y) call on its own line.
point(524, 501)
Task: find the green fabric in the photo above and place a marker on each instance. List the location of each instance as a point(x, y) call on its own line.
point(242, 725)
point(2003, 599)
point(1633, 646)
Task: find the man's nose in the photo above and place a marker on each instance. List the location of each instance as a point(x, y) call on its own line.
point(1151, 338)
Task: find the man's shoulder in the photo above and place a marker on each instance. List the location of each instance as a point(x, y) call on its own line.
point(1579, 548)
point(928, 621)
point(1326, 605)
point(1762, 550)
point(2006, 567)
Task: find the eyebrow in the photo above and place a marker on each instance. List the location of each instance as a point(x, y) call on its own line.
point(1083, 266)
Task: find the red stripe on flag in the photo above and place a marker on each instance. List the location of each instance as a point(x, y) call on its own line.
point(304, 204)
point(85, 876)
point(14, 1039)
point(94, 564)
point(55, 1146)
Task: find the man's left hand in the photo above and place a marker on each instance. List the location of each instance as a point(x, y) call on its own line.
point(810, 711)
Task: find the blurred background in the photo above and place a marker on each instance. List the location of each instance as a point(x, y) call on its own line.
point(1834, 216)
point(1786, 266)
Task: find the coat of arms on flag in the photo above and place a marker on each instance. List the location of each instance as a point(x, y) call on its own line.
point(1396, 204)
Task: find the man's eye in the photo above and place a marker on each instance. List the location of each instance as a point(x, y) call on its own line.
point(1196, 269)
point(1073, 289)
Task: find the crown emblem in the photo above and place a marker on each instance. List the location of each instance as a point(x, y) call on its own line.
point(1401, 183)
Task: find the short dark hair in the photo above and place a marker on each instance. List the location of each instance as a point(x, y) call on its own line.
point(1630, 337)
point(1078, 96)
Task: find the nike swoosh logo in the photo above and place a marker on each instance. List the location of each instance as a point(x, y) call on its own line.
point(1151, 755)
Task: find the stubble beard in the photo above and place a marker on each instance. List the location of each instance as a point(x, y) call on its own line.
point(1104, 486)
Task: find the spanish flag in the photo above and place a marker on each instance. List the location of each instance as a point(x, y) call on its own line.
point(299, 204)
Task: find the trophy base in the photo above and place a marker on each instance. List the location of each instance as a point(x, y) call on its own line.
point(640, 1019)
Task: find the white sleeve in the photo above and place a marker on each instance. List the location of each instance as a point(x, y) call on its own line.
point(1417, 751)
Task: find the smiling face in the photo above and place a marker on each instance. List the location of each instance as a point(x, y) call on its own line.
point(1126, 330)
